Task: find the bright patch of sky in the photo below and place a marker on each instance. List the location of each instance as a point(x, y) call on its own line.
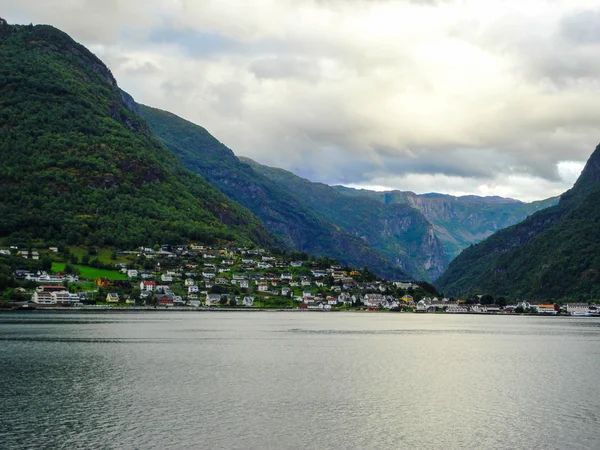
point(458, 97)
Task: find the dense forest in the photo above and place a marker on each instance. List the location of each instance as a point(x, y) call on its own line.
point(80, 166)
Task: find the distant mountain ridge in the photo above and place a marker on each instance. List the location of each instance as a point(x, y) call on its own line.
point(459, 221)
point(553, 254)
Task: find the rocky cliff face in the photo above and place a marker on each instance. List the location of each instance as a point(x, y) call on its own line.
point(459, 221)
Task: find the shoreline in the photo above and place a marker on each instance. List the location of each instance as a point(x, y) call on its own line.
point(134, 309)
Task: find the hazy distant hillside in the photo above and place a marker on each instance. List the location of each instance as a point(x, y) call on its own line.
point(554, 254)
point(79, 166)
point(459, 221)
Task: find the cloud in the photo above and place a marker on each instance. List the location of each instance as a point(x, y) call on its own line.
point(467, 96)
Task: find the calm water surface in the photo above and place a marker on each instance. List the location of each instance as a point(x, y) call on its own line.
point(293, 380)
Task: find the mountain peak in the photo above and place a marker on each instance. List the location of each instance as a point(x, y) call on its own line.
point(587, 181)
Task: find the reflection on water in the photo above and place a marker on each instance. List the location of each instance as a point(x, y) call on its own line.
point(297, 380)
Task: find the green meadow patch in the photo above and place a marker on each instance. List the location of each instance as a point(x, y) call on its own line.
point(91, 273)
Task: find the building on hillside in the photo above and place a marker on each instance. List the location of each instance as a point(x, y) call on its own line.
point(373, 299)
point(147, 286)
point(103, 282)
point(212, 299)
point(43, 298)
point(112, 297)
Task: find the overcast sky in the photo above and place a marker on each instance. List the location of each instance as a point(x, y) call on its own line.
point(484, 97)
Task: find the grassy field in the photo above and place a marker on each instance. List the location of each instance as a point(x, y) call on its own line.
point(104, 255)
point(91, 273)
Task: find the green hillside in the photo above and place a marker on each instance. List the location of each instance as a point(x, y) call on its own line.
point(80, 166)
point(554, 254)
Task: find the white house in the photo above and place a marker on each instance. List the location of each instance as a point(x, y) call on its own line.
point(132, 273)
point(189, 282)
point(578, 308)
point(166, 278)
point(373, 299)
point(112, 297)
point(43, 298)
point(147, 286)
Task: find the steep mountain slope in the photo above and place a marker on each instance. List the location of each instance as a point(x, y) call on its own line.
point(397, 230)
point(297, 225)
point(553, 254)
point(459, 221)
point(79, 165)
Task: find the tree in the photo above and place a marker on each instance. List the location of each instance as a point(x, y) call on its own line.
point(46, 264)
point(486, 299)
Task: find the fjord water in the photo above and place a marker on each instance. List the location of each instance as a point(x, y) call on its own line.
point(277, 380)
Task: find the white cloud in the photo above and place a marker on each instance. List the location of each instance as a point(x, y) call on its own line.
point(477, 97)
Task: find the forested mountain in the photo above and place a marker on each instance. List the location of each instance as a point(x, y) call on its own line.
point(553, 254)
point(297, 225)
point(459, 221)
point(80, 166)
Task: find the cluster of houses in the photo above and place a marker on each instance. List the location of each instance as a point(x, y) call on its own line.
point(195, 276)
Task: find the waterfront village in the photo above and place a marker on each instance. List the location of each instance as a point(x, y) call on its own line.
point(202, 277)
